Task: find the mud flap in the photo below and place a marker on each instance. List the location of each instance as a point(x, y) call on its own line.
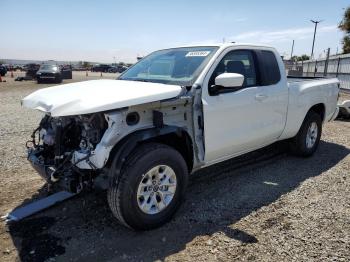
point(25, 211)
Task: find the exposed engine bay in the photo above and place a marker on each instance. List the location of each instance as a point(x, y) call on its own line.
point(55, 142)
point(72, 151)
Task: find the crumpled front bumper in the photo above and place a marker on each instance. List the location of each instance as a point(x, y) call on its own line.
point(37, 164)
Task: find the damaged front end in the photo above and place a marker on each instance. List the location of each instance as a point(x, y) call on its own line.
point(73, 151)
point(57, 142)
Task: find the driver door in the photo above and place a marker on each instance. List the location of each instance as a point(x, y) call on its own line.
point(231, 123)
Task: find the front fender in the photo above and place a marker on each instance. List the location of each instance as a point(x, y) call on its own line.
point(124, 147)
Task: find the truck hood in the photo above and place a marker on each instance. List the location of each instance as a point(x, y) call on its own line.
point(96, 96)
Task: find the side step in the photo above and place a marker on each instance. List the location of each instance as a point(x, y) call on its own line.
point(25, 211)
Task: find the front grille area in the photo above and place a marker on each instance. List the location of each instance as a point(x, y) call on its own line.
point(47, 74)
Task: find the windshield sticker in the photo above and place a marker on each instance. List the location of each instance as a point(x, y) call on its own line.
point(198, 53)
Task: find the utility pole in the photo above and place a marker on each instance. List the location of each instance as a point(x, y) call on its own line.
point(291, 53)
point(313, 42)
point(326, 63)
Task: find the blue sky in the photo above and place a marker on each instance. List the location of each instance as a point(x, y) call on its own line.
point(101, 30)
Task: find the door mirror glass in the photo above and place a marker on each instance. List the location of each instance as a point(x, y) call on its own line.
point(229, 80)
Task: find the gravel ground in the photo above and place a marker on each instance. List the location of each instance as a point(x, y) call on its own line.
point(266, 206)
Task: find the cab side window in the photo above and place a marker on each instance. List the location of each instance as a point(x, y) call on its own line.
point(240, 62)
point(270, 71)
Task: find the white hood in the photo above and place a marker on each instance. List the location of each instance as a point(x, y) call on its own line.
point(96, 96)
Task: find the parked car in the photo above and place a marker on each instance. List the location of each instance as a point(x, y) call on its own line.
point(66, 72)
point(31, 70)
point(121, 69)
point(117, 69)
point(100, 68)
point(113, 69)
point(174, 112)
point(3, 70)
point(49, 73)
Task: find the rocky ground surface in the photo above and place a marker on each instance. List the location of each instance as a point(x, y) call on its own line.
point(267, 206)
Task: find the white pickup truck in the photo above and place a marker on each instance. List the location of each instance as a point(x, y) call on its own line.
point(174, 112)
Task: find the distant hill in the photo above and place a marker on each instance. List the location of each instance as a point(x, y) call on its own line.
point(24, 62)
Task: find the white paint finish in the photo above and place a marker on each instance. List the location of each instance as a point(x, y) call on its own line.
point(234, 123)
point(303, 95)
point(242, 121)
point(96, 96)
point(229, 123)
point(229, 80)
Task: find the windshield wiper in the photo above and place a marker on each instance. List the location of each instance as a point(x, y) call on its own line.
point(142, 80)
point(133, 79)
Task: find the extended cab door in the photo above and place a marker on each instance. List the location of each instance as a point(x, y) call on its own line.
point(272, 95)
point(241, 120)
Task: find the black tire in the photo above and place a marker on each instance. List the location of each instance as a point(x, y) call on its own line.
point(38, 81)
point(298, 144)
point(122, 194)
point(58, 79)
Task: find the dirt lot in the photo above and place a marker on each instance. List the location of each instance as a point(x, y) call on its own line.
point(267, 206)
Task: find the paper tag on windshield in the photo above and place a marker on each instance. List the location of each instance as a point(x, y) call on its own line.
point(198, 53)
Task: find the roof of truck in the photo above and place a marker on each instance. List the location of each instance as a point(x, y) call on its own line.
point(222, 45)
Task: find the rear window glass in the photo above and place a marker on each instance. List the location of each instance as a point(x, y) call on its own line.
point(270, 71)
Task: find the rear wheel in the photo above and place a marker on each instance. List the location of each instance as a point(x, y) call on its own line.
point(306, 141)
point(150, 187)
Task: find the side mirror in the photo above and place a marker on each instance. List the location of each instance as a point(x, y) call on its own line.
point(229, 80)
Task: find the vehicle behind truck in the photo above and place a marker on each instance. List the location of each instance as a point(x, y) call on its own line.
point(174, 112)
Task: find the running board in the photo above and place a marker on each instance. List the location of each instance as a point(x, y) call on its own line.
point(27, 210)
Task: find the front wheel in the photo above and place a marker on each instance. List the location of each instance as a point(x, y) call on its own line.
point(58, 79)
point(306, 141)
point(150, 187)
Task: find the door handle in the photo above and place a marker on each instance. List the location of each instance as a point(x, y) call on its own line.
point(260, 97)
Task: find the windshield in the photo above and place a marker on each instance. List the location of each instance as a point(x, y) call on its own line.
point(178, 66)
point(49, 67)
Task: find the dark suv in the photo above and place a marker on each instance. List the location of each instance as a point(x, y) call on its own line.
point(50, 73)
point(100, 68)
point(3, 70)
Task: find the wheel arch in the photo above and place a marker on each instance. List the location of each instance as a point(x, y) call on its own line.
point(173, 136)
point(320, 109)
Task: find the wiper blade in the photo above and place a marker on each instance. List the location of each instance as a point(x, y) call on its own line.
point(142, 80)
point(133, 79)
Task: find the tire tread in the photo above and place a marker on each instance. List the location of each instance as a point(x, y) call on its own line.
point(114, 192)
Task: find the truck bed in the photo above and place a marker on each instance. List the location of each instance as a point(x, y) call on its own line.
point(291, 79)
